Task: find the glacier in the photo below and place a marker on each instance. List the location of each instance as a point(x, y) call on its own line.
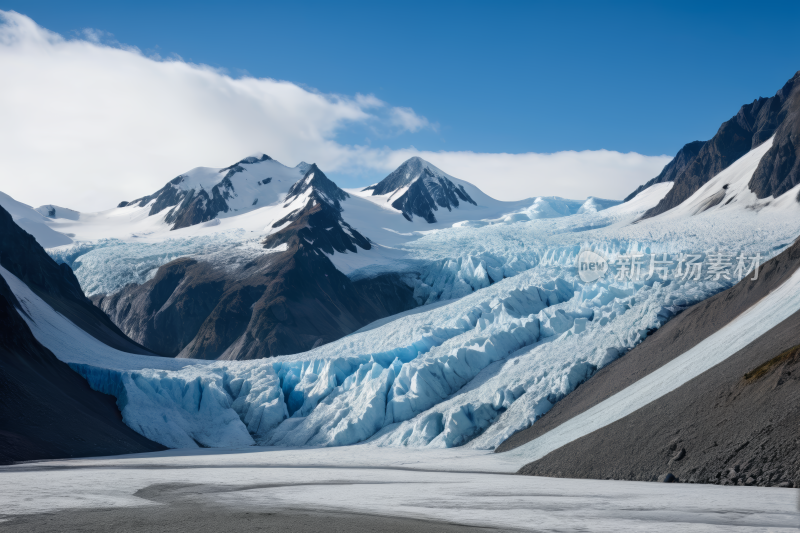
point(756, 321)
point(505, 328)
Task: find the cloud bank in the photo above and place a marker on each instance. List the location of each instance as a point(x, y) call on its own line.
point(88, 122)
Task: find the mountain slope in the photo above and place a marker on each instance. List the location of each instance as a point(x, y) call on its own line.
point(48, 411)
point(753, 124)
point(33, 222)
point(22, 255)
point(285, 301)
point(733, 422)
point(779, 171)
point(674, 168)
point(189, 297)
point(518, 330)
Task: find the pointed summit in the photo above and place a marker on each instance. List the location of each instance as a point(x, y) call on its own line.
point(319, 187)
point(410, 171)
point(417, 188)
point(255, 158)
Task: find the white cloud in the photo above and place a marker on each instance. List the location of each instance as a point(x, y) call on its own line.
point(405, 118)
point(570, 174)
point(96, 36)
point(85, 124)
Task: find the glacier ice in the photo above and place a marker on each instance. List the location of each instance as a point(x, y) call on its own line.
point(517, 332)
point(108, 265)
point(756, 321)
point(439, 378)
point(507, 329)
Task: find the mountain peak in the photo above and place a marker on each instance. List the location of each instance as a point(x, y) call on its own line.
point(319, 187)
point(415, 161)
point(423, 188)
point(255, 158)
point(406, 174)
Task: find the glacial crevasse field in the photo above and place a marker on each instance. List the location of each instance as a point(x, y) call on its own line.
point(505, 328)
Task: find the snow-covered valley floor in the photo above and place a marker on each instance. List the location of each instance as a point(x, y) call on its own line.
point(456, 486)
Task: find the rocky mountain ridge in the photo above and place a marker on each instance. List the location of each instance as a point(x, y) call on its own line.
point(778, 171)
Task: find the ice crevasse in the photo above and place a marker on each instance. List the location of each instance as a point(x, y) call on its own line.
point(506, 329)
point(473, 371)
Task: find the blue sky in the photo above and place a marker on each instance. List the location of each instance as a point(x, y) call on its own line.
point(521, 98)
point(495, 77)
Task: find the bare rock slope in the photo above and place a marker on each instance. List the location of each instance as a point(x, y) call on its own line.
point(47, 411)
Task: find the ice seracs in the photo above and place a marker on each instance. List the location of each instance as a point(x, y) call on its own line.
point(521, 330)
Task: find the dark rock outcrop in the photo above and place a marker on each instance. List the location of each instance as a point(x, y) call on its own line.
point(674, 168)
point(286, 301)
point(56, 284)
point(734, 422)
point(753, 124)
point(428, 189)
point(319, 187)
point(779, 169)
point(47, 411)
point(196, 206)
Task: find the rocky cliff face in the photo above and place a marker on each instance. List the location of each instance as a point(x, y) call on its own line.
point(47, 410)
point(779, 170)
point(674, 168)
point(755, 123)
point(56, 284)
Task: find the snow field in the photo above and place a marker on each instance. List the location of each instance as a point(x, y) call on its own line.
point(456, 486)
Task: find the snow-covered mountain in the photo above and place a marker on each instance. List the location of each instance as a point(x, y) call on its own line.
point(203, 194)
point(273, 294)
point(174, 269)
point(445, 319)
point(417, 188)
point(507, 330)
point(352, 241)
point(54, 211)
point(499, 326)
point(32, 221)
